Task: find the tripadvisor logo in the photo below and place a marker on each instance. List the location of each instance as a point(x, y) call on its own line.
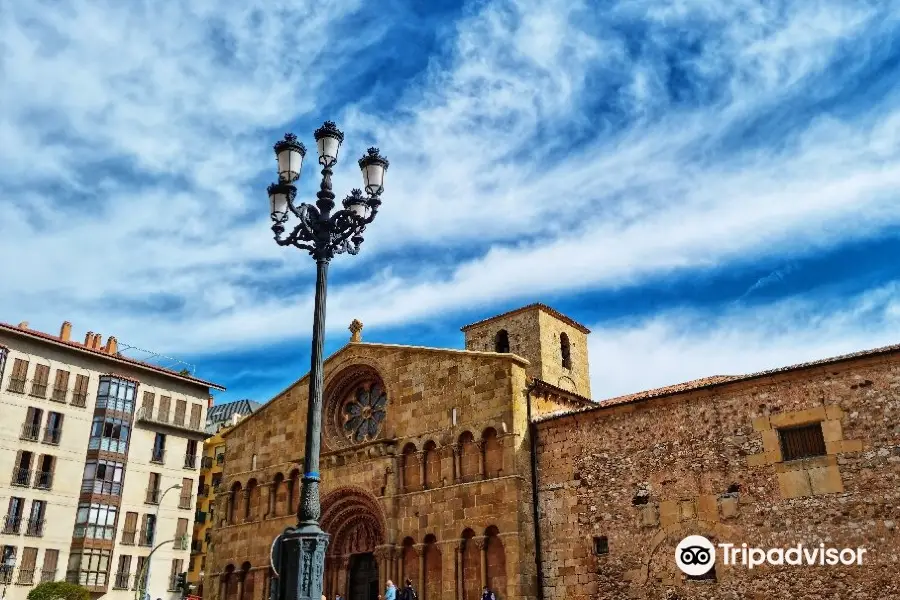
point(695, 555)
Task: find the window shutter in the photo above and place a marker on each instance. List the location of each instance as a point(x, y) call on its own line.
point(51, 558)
point(39, 384)
point(164, 402)
point(180, 409)
point(196, 410)
point(61, 386)
point(79, 396)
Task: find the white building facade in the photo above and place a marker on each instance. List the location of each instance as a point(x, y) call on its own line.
point(103, 455)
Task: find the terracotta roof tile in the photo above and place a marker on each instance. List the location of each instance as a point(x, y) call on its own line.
point(40, 335)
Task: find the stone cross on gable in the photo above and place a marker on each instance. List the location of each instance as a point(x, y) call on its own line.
point(356, 330)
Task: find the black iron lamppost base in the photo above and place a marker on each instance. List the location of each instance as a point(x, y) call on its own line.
point(299, 559)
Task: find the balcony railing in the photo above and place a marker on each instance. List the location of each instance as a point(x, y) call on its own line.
point(16, 385)
point(185, 502)
point(165, 419)
point(173, 583)
point(52, 435)
point(152, 496)
point(207, 462)
point(220, 459)
point(121, 580)
point(59, 394)
point(128, 537)
point(6, 574)
point(35, 527)
point(79, 399)
point(12, 524)
point(30, 432)
point(203, 490)
point(197, 547)
point(48, 575)
point(182, 542)
point(21, 477)
point(38, 389)
point(26, 576)
point(158, 455)
point(43, 480)
point(146, 539)
point(190, 461)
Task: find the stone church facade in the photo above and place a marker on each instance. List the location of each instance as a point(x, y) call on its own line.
point(429, 458)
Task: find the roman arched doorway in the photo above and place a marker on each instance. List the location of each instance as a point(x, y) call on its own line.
point(354, 520)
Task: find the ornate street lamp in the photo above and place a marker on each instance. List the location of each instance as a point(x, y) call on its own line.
point(298, 554)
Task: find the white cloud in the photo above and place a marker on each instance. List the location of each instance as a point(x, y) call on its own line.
point(480, 156)
point(678, 346)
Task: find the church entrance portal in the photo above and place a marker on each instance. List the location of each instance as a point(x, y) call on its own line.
point(363, 577)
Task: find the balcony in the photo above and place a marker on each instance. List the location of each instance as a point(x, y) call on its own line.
point(30, 432)
point(166, 420)
point(16, 385)
point(38, 388)
point(79, 399)
point(207, 462)
point(152, 496)
point(200, 517)
point(190, 461)
point(128, 537)
point(48, 575)
point(181, 542)
point(146, 539)
point(121, 580)
point(196, 547)
point(6, 574)
point(59, 394)
point(44, 480)
point(173, 583)
point(52, 435)
point(158, 455)
point(35, 528)
point(186, 502)
point(26, 576)
point(220, 459)
point(21, 477)
point(12, 524)
point(203, 490)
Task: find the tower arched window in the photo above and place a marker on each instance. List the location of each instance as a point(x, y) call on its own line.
point(565, 351)
point(501, 341)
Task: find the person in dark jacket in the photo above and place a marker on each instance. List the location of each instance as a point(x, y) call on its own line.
point(408, 592)
point(487, 594)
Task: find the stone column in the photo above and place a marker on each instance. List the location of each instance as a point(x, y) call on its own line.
point(398, 566)
point(481, 468)
point(457, 467)
point(420, 552)
point(382, 555)
point(420, 456)
point(343, 567)
point(481, 544)
point(265, 498)
point(240, 594)
point(245, 507)
point(459, 548)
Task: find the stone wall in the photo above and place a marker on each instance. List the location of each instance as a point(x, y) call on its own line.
point(621, 486)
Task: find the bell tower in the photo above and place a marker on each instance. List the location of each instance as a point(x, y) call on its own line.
point(554, 345)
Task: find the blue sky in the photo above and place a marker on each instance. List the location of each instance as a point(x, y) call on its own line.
point(711, 187)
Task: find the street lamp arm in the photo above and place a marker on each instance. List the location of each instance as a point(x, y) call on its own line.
point(142, 582)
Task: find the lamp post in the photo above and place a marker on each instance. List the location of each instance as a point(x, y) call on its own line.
point(146, 581)
point(299, 553)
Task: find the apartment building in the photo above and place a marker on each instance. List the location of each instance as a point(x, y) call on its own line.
point(103, 460)
point(218, 420)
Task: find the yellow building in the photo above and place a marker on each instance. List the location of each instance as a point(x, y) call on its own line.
point(219, 419)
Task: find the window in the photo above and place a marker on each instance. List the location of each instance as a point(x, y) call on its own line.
point(196, 410)
point(19, 374)
point(158, 454)
point(109, 434)
point(190, 455)
point(44, 476)
point(79, 394)
point(39, 383)
point(53, 431)
point(187, 489)
point(565, 351)
point(12, 524)
point(26, 569)
point(139, 571)
point(60, 386)
point(601, 545)
point(7, 564)
point(103, 477)
point(123, 573)
point(181, 542)
point(153, 488)
point(129, 529)
point(163, 414)
point(35, 525)
point(253, 463)
point(22, 470)
point(180, 411)
point(148, 530)
point(501, 341)
point(90, 567)
point(95, 521)
point(48, 571)
point(116, 394)
point(147, 404)
point(173, 575)
point(802, 442)
point(31, 429)
point(4, 352)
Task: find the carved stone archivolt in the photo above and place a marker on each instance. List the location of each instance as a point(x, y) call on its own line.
point(356, 405)
point(354, 520)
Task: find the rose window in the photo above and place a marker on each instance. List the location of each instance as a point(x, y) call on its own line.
point(364, 414)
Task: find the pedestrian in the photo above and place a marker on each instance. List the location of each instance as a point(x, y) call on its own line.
point(339, 596)
point(409, 592)
point(390, 593)
point(487, 594)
